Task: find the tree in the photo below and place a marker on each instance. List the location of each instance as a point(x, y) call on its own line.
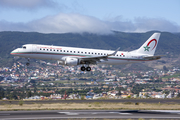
point(165, 68)
point(119, 92)
point(14, 96)
point(1, 93)
point(29, 94)
point(178, 96)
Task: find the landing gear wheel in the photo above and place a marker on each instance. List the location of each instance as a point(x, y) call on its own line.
point(27, 64)
point(83, 68)
point(88, 69)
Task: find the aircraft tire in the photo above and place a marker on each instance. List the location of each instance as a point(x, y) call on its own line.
point(88, 69)
point(83, 68)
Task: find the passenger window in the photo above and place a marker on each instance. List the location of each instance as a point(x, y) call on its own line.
point(78, 51)
point(74, 51)
point(64, 51)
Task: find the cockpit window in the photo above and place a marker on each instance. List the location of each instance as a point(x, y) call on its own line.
point(24, 47)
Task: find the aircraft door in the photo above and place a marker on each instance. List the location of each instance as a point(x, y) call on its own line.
point(129, 55)
point(34, 48)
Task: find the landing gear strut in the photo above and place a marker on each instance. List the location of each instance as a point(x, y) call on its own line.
point(85, 68)
point(27, 64)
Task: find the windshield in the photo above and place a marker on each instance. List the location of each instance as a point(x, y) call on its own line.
point(24, 47)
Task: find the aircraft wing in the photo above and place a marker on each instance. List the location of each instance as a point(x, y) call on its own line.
point(153, 57)
point(94, 59)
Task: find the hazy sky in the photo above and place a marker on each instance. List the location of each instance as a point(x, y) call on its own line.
point(94, 16)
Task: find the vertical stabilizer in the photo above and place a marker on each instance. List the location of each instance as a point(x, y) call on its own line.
point(149, 47)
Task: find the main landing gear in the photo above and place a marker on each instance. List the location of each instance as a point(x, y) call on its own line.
point(85, 68)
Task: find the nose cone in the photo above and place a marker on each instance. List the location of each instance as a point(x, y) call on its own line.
point(15, 52)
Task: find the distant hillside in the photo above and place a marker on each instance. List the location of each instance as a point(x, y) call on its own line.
point(169, 42)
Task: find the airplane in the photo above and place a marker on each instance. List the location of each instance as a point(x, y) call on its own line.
point(73, 56)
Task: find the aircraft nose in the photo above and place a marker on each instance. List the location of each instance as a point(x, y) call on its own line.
point(14, 52)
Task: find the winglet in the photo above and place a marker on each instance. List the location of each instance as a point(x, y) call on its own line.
point(114, 52)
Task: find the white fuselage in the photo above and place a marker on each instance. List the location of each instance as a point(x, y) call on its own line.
point(60, 53)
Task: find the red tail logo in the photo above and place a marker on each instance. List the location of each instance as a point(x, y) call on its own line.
point(154, 44)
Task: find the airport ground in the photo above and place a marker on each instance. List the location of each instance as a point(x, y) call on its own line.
point(122, 104)
point(90, 115)
point(168, 101)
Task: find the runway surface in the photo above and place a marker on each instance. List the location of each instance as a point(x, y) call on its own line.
point(88, 114)
point(169, 101)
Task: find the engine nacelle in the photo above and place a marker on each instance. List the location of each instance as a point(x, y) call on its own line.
point(71, 61)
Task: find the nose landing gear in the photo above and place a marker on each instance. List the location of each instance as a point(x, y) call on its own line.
point(27, 64)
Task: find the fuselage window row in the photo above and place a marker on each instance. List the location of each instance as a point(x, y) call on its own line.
point(81, 52)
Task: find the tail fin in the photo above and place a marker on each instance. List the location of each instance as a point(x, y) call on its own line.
point(149, 47)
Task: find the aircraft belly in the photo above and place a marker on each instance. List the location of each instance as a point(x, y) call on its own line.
point(115, 62)
point(22, 55)
point(40, 56)
point(57, 57)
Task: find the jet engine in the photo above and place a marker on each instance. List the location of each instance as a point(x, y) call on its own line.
point(71, 61)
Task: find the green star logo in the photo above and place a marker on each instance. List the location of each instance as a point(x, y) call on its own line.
point(146, 48)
